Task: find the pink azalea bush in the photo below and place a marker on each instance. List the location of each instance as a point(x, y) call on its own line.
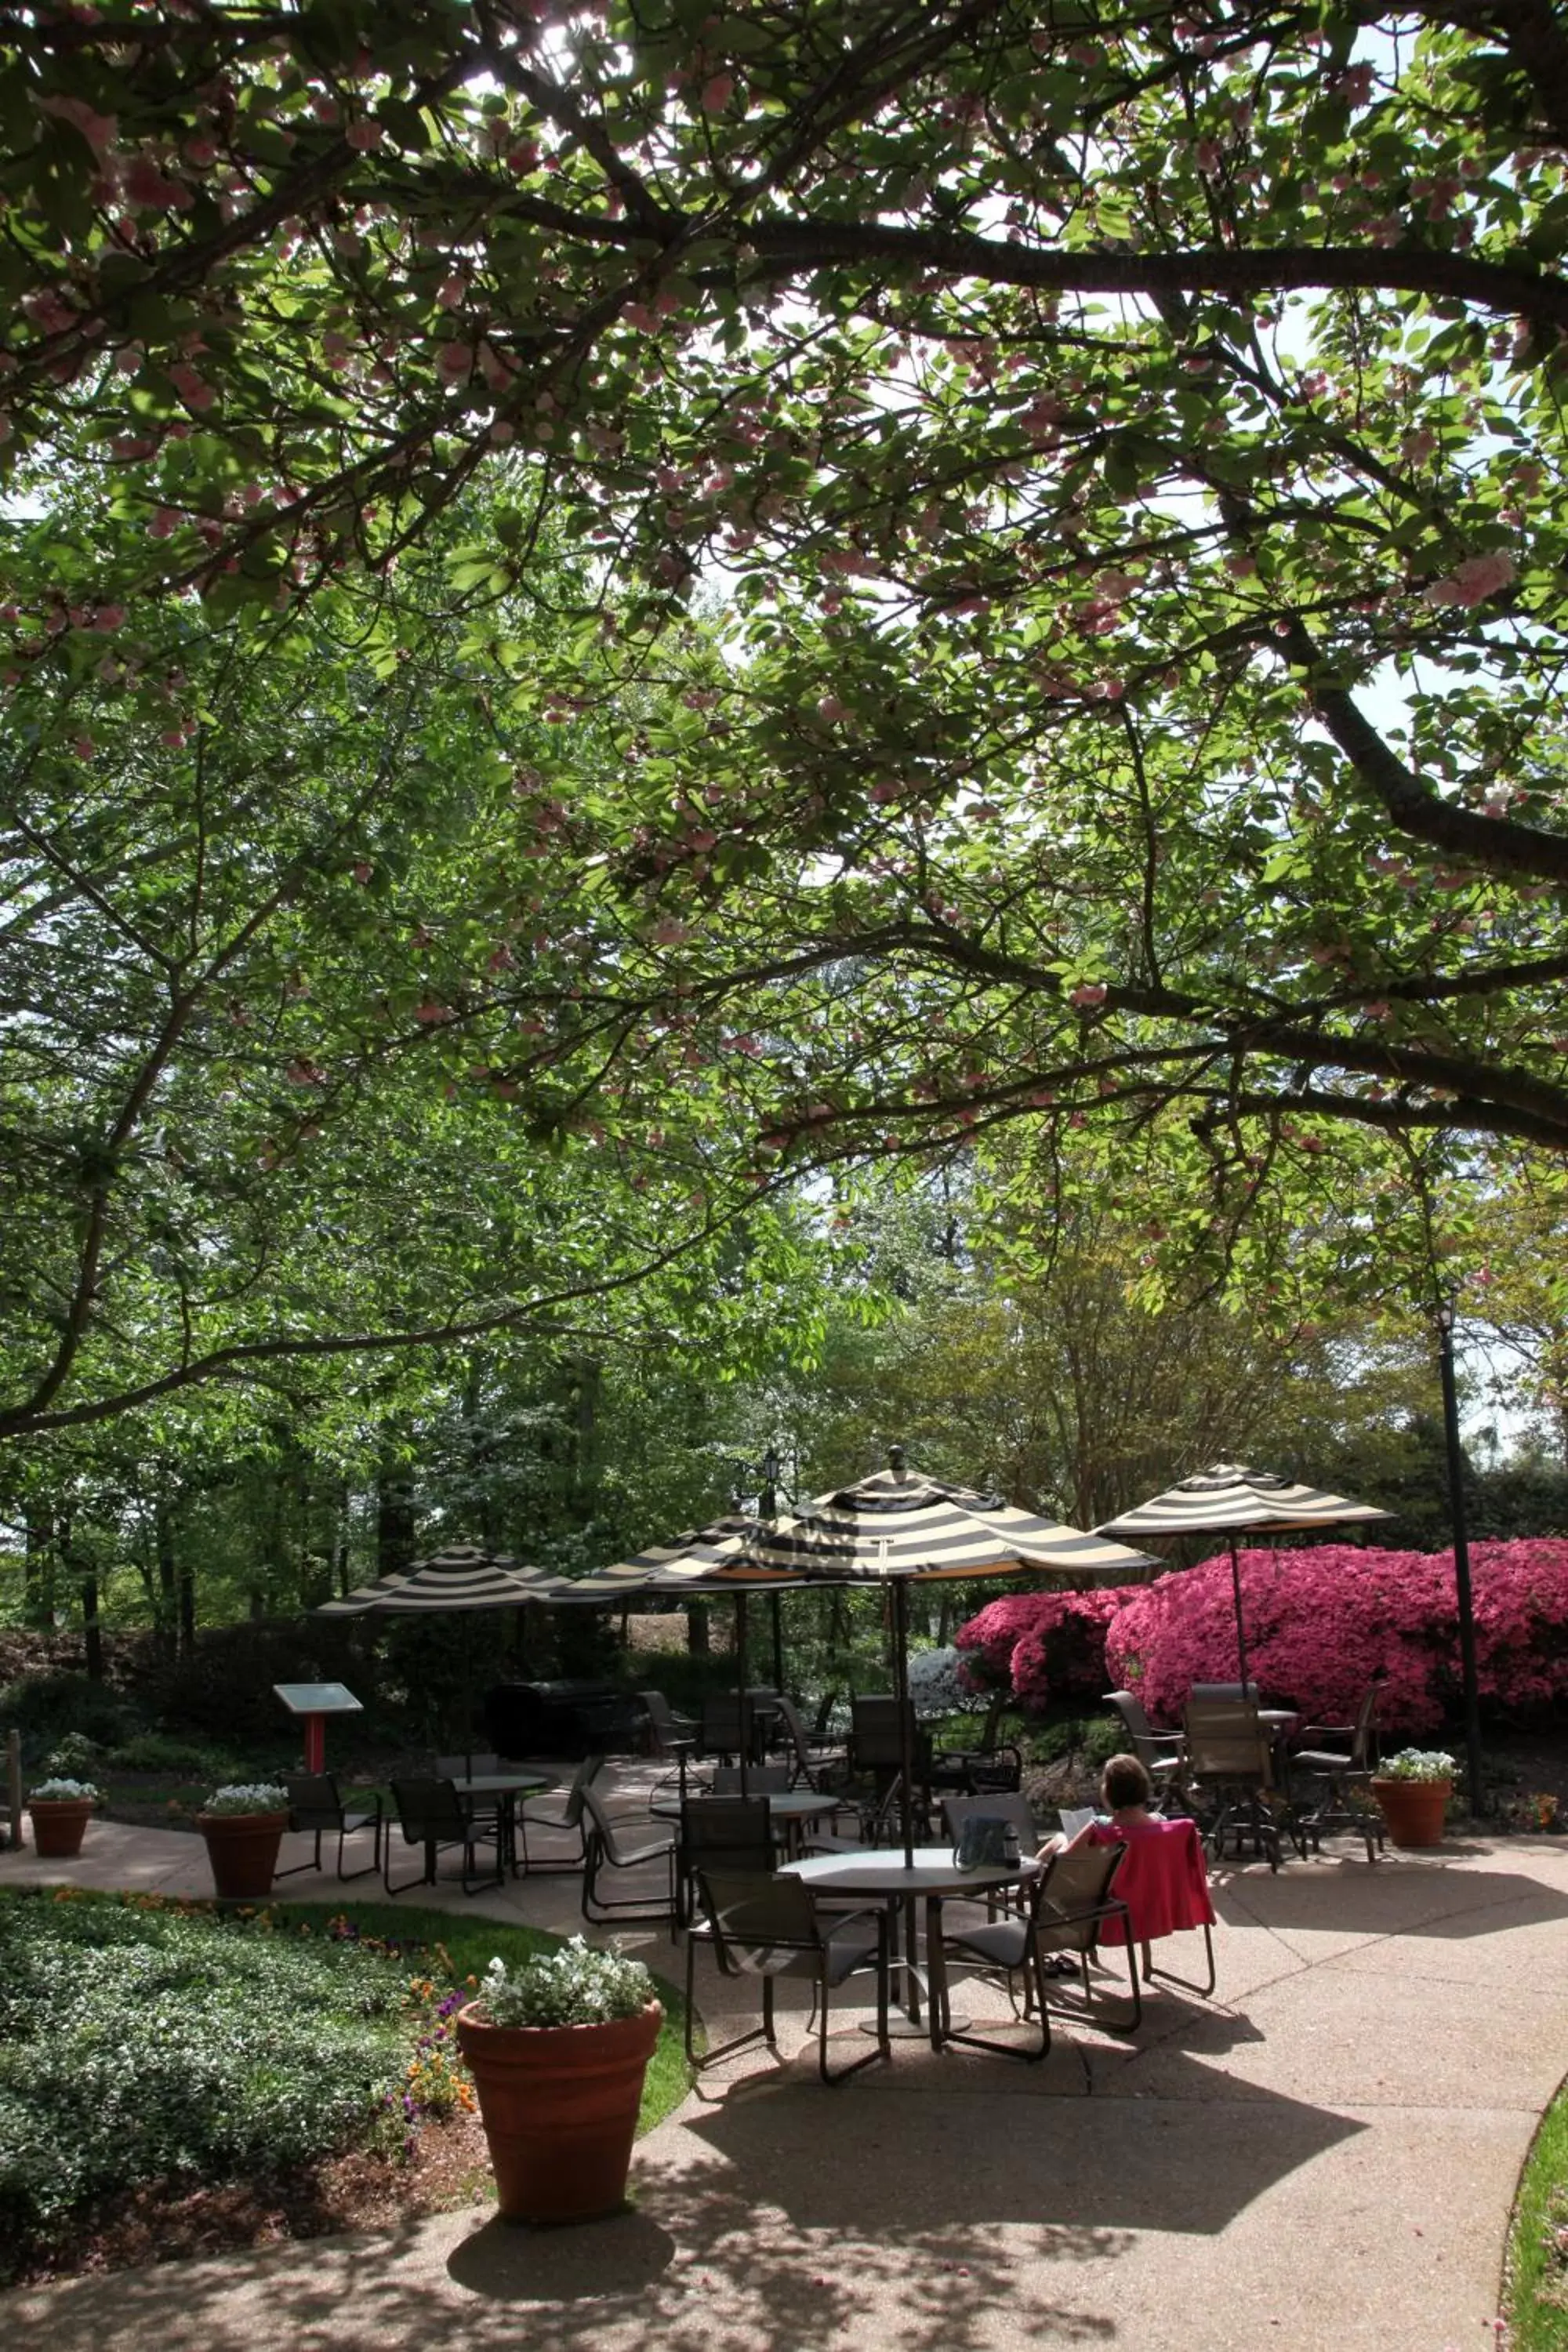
point(1040, 1645)
point(1321, 1622)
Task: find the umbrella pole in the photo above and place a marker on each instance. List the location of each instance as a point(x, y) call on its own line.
point(741, 1708)
point(468, 1690)
point(776, 1606)
point(1240, 1627)
point(905, 1728)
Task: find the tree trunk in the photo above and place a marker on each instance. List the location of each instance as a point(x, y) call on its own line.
point(186, 1586)
point(588, 1382)
point(394, 1521)
point(166, 1606)
point(39, 1586)
point(699, 1633)
point(340, 1548)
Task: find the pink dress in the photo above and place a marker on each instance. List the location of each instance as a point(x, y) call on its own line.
point(1163, 1879)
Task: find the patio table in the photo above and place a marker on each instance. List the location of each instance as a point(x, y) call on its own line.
point(789, 1810)
point(506, 1788)
point(881, 1873)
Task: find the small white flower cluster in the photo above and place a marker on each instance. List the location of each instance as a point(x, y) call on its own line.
point(573, 1986)
point(935, 1686)
point(61, 1790)
point(1418, 1764)
point(247, 1796)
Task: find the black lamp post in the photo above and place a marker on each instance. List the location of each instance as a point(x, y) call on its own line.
point(768, 1470)
point(1461, 1555)
point(767, 1504)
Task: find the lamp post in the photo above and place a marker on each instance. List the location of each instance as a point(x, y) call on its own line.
point(1461, 1555)
point(768, 1470)
point(767, 1504)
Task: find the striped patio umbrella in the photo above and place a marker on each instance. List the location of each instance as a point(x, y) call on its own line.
point(708, 1563)
point(459, 1578)
point(684, 1565)
point(1231, 1500)
point(899, 1527)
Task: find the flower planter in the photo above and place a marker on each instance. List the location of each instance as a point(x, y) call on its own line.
point(1413, 1811)
point(559, 2105)
point(59, 1825)
point(242, 1849)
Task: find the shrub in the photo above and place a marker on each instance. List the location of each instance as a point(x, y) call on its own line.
point(159, 1751)
point(1040, 1645)
point(938, 1687)
point(223, 1691)
point(51, 1708)
point(137, 2041)
point(1323, 1622)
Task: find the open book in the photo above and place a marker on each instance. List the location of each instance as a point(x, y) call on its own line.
point(1074, 1818)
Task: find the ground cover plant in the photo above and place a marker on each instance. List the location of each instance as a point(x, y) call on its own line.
point(1536, 2296)
point(152, 2049)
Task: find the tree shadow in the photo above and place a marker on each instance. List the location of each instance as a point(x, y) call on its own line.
point(912, 2209)
point(1412, 1896)
point(590, 2261)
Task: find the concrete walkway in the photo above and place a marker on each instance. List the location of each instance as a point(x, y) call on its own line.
point(1323, 2157)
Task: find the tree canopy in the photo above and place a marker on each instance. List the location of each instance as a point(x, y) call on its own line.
point(1068, 513)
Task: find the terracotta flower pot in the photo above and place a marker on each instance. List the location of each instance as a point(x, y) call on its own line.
point(242, 1849)
point(1412, 1810)
point(59, 1825)
point(559, 2105)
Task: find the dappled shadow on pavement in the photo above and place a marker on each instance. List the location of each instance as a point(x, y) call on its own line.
point(781, 2216)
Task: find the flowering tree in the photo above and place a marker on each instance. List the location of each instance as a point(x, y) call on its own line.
point(1128, 445)
point(1321, 1623)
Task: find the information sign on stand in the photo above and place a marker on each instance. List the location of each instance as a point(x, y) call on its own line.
point(313, 1701)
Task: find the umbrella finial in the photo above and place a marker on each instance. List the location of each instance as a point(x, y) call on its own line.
point(895, 1459)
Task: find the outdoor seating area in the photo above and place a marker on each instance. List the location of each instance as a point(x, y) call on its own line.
point(1110, 2076)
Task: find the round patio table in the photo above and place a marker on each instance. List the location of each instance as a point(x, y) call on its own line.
point(881, 1873)
point(506, 1788)
point(788, 1809)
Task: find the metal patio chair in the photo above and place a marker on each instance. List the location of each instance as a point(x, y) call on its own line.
point(1163, 1753)
point(759, 1925)
point(1064, 1910)
point(316, 1810)
point(604, 1850)
point(430, 1814)
point(1342, 1773)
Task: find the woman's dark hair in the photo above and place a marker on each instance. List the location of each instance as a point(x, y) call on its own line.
point(1125, 1782)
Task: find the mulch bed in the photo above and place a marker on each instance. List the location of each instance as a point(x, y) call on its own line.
point(164, 2221)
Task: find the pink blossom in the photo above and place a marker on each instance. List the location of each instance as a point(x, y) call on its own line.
point(150, 189)
point(1474, 580)
point(193, 389)
point(100, 131)
point(1087, 994)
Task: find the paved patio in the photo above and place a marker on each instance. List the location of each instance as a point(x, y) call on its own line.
point(1323, 2157)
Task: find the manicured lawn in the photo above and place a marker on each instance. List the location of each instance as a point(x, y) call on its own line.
point(147, 2041)
point(1537, 2296)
